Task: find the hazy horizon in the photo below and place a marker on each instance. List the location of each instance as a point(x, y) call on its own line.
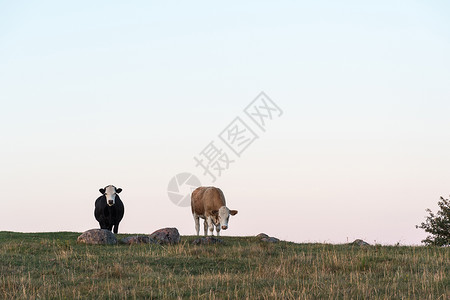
point(94, 94)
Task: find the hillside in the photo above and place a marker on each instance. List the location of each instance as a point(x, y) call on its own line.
point(53, 265)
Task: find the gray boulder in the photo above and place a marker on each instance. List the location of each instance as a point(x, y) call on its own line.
point(138, 239)
point(359, 242)
point(166, 236)
point(267, 239)
point(97, 237)
point(208, 240)
point(270, 239)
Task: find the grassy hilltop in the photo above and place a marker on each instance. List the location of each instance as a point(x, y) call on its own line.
point(53, 265)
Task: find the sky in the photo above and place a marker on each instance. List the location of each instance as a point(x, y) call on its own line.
point(112, 92)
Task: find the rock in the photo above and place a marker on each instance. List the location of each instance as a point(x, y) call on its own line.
point(138, 239)
point(270, 240)
point(166, 236)
point(207, 240)
point(97, 237)
point(359, 242)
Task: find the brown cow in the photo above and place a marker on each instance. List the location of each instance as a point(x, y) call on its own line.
point(209, 204)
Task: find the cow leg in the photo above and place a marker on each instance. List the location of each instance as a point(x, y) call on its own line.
point(205, 227)
point(210, 225)
point(116, 228)
point(218, 229)
point(197, 224)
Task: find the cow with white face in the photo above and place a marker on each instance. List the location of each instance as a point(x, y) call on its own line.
point(110, 193)
point(209, 204)
point(109, 208)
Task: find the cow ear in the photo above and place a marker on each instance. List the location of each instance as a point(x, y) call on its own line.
point(102, 191)
point(233, 212)
point(118, 190)
point(215, 212)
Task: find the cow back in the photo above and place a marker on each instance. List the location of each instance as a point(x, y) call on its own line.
point(204, 200)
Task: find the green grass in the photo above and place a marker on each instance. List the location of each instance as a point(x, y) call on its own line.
point(54, 266)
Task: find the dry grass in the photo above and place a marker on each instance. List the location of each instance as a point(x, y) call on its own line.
point(53, 266)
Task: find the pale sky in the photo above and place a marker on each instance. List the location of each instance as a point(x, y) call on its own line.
point(128, 94)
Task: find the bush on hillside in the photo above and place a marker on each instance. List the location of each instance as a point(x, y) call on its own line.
point(438, 225)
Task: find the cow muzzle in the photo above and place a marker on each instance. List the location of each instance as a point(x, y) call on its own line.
point(224, 227)
point(110, 202)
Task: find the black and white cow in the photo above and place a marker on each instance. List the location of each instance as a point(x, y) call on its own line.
point(109, 208)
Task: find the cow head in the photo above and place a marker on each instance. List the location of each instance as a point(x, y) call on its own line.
point(223, 215)
point(110, 193)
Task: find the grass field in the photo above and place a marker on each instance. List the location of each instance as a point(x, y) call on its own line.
point(54, 266)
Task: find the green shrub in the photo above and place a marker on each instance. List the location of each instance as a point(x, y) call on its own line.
point(438, 225)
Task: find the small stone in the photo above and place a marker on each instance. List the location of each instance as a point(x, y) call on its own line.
point(208, 240)
point(262, 235)
point(166, 236)
point(359, 242)
point(139, 239)
point(97, 237)
point(270, 239)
